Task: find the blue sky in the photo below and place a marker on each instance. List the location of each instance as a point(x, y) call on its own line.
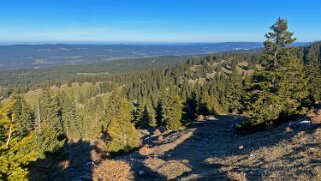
point(154, 20)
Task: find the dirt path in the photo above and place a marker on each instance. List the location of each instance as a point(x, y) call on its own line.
point(211, 151)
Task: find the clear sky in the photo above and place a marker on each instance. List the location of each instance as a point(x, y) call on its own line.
point(154, 20)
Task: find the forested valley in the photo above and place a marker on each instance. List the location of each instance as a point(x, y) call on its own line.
point(51, 114)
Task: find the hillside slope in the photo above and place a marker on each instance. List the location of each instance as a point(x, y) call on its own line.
point(210, 151)
point(207, 150)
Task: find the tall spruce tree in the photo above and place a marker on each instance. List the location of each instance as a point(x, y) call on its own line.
point(24, 117)
point(50, 133)
point(69, 117)
point(234, 90)
point(148, 117)
point(124, 136)
point(313, 70)
point(280, 86)
point(50, 111)
point(172, 109)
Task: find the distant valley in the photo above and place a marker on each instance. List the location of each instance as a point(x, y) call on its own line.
point(37, 56)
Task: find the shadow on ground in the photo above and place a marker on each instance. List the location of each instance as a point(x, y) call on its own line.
point(73, 161)
point(204, 151)
point(212, 150)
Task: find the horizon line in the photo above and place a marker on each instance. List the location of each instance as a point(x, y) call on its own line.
point(128, 43)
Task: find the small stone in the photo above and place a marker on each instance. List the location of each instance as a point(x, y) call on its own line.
point(141, 172)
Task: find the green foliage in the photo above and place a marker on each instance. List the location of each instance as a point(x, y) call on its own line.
point(50, 110)
point(69, 117)
point(149, 116)
point(280, 87)
point(13, 161)
point(234, 91)
point(24, 117)
point(190, 107)
point(312, 59)
point(49, 134)
point(122, 132)
point(172, 109)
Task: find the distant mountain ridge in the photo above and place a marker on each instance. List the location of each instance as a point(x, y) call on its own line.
point(47, 55)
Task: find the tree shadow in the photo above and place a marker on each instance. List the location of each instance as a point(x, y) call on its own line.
point(216, 139)
point(73, 161)
point(76, 161)
point(209, 139)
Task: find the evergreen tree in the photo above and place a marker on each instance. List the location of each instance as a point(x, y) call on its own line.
point(172, 109)
point(124, 136)
point(190, 107)
point(50, 132)
point(24, 118)
point(313, 70)
point(159, 114)
point(50, 111)
point(280, 86)
point(69, 117)
point(234, 91)
point(148, 117)
point(202, 104)
point(13, 161)
point(138, 114)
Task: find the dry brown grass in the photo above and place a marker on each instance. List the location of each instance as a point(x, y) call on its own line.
point(111, 170)
point(200, 118)
point(169, 169)
point(288, 129)
point(63, 164)
point(236, 176)
point(209, 152)
point(315, 116)
point(157, 132)
point(160, 138)
point(145, 150)
point(317, 174)
point(95, 156)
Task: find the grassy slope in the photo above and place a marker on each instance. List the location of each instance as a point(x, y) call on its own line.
point(32, 96)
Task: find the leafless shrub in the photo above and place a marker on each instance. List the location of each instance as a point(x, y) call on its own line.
point(236, 176)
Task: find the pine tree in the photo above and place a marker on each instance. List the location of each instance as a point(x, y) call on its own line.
point(124, 136)
point(13, 162)
point(190, 107)
point(138, 114)
point(148, 117)
point(159, 114)
point(172, 109)
point(280, 86)
point(24, 117)
point(50, 133)
point(313, 70)
point(202, 104)
point(234, 91)
point(50, 111)
point(69, 116)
